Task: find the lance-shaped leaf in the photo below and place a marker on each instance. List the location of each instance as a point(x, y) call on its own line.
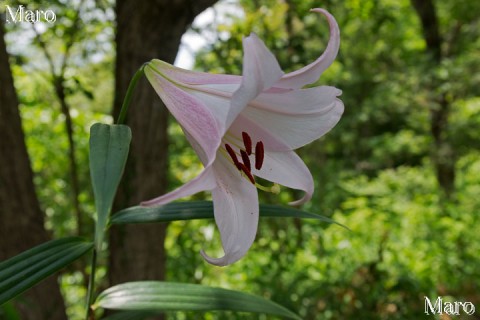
point(132, 315)
point(168, 296)
point(109, 145)
point(191, 210)
point(23, 271)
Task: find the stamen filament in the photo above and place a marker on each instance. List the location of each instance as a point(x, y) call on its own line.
point(246, 160)
point(247, 173)
point(233, 155)
point(232, 140)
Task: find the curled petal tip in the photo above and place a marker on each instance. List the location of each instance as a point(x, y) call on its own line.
point(220, 262)
point(301, 201)
point(321, 10)
point(304, 199)
point(313, 71)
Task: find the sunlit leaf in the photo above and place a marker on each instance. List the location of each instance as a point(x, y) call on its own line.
point(169, 296)
point(109, 145)
point(190, 210)
point(23, 271)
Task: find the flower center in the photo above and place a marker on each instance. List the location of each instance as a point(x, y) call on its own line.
point(241, 159)
point(245, 165)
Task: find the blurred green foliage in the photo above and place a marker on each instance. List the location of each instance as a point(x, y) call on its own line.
point(89, 90)
point(373, 172)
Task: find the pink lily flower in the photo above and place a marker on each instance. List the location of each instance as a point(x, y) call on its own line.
point(243, 127)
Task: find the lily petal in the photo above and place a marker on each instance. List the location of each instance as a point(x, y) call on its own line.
point(263, 106)
point(236, 213)
point(218, 104)
point(287, 169)
point(312, 72)
point(188, 77)
point(282, 131)
point(204, 181)
point(201, 126)
point(294, 102)
point(297, 130)
point(260, 71)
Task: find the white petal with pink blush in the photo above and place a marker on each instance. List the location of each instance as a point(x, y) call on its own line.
point(248, 126)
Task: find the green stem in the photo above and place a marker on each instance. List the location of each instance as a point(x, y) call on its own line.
point(91, 284)
point(128, 96)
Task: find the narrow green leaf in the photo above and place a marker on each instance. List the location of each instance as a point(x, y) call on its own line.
point(23, 271)
point(169, 296)
point(189, 210)
point(132, 315)
point(109, 145)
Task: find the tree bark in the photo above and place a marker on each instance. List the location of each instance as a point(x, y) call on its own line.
point(22, 224)
point(443, 152)
point(145, 30)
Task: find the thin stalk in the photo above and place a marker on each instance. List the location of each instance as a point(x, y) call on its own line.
point(91, 285)
point(93, 266)
point(129, 94)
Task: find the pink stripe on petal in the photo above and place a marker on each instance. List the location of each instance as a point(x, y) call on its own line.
point(192, 77)
point(200, 125)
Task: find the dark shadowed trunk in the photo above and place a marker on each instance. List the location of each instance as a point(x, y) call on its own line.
point(21, 219)
point(145, 30)
point(443, 152)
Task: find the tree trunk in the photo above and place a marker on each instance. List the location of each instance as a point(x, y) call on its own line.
point(443, 152)
point(145, 30)
point(22, 225)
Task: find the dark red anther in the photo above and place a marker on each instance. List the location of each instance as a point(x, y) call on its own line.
point(246, 160)
point(247, 172)
point(233, 156)
point(259, 155)
point(247, 142)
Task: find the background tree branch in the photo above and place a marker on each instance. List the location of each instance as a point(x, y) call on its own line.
point(22, 220)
